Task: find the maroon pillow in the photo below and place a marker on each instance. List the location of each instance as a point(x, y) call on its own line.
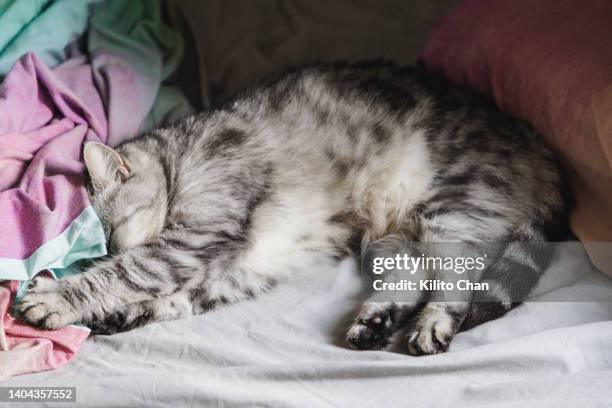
point(549, 62)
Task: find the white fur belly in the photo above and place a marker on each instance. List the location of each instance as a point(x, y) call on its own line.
point(293, 230)
point(390, 185)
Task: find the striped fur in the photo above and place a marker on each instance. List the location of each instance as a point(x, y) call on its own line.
point(324, 161)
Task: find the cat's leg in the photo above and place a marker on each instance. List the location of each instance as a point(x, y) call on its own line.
point(138, 314)
point(510, 275)
point(435, 326)
point(381, 316)
point(448, 236)
point(176, 306)
point(437, 323)
point(106, 287)
point(199, 262)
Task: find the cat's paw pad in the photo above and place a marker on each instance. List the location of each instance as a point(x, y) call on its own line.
point(46, 310)
point(371, 330)
point(431, 336)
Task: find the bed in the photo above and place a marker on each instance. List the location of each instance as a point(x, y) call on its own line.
point(287, 348)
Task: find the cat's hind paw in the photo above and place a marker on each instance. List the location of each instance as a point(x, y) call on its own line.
point(432, 334)
point(372, 329)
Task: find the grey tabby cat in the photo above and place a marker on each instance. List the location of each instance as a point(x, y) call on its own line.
point(324, 161)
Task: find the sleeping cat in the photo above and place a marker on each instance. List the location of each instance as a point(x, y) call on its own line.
point(322, 162)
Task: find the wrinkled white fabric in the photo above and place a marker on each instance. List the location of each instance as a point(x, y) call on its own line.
point(287, 349)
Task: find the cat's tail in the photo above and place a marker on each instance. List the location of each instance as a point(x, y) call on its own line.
point(513, 276)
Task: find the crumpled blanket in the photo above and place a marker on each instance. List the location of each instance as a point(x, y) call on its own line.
point(40, 26)
point(29, 350)
point(108, 92)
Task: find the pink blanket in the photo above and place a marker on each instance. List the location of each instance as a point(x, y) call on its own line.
point(31, 350)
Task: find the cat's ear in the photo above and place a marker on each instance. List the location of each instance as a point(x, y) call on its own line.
point(105, 165)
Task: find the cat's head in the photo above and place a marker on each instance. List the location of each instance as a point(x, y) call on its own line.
point(127, 188)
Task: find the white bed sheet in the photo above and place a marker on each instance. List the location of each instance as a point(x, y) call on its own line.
point(287, 349)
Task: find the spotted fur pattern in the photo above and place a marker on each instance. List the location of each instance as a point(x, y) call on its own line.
point(322, 162)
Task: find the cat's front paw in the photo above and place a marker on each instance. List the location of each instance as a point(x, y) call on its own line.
point(371, 329)
point(44, 307)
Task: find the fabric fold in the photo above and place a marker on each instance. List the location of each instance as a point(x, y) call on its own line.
point(83, 239)
point(40, 26)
